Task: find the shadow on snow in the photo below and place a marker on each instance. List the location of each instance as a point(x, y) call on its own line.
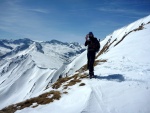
point(113, 77)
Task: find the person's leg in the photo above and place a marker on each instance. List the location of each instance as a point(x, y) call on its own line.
point(92, 59)
point(88, 59)
point(89, 62)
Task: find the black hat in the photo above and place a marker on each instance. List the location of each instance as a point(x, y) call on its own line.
point(90, 33)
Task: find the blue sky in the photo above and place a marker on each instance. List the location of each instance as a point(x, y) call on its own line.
point(67, 20)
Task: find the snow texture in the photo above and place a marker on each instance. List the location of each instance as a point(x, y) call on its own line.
point(27, 67)
point(122, 84)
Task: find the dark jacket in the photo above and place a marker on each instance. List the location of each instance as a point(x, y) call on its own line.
point(90, 43)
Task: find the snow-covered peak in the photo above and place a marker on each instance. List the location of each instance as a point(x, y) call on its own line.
point(56, 42)
point(17, 41)
point(27, 67)
point(129, 42)
point(72, 44)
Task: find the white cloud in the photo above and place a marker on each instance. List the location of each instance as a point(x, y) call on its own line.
point(134, 12)
point(124, 11)
point(17, 19)
point(39, 10)
point(26, 22)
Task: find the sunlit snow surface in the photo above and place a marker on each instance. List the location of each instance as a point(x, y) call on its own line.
point(25, 73)
point(122, 84)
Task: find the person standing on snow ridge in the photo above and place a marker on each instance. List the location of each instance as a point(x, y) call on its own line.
point(93, 47)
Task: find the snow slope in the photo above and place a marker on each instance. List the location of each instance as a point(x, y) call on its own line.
point(122, 84)
point(27, 67)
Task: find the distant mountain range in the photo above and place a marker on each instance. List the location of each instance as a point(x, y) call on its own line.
point(24, 62)
point(9, 47)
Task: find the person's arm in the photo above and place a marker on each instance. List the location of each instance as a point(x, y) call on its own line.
point(86, 38)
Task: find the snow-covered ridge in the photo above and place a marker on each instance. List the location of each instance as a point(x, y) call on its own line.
point(123, 82)
point(118, 34)
point(113, 41)
point(127, 38)
point(27, 67)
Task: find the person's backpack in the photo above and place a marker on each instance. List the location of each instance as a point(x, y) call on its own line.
point(96, 45)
